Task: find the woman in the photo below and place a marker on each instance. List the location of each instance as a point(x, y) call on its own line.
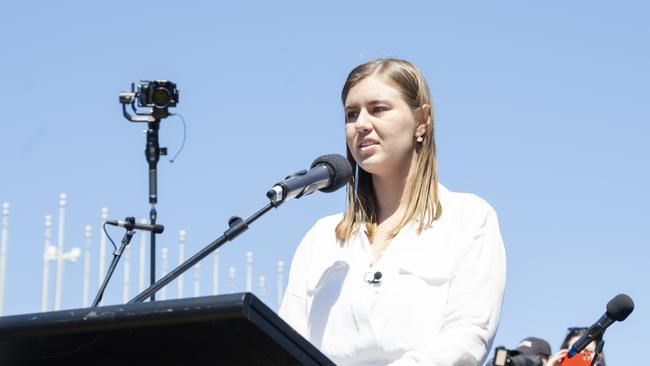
point(411, 273)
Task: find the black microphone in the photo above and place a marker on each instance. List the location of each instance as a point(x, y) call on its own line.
point(327, 174)
point(130, 224)
point(618, 309)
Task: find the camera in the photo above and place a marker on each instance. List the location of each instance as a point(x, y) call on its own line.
point(505, 357)
point(157, 94)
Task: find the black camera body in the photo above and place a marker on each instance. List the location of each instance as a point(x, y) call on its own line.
point(505, 357)
point(157, 94)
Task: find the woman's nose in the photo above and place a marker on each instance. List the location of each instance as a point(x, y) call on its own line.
point(363, 122)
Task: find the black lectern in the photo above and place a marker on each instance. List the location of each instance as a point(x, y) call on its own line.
point(236, 329)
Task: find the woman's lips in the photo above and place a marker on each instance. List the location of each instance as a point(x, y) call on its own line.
point(367, 142)
point(367, 145)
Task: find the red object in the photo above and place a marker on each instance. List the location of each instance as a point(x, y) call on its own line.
point(581, 359)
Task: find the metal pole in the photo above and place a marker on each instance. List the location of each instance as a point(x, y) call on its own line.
point(152, 153)
point(49, 254)
point(163, 268)
point(197, 279)
point(262, 286)
point(249, 271)
point(280, 284)
point(127, 274)
point(3, 253)
point(102, 247)
point(181, 259)
point(143, 243)
point(88, 233)
point(59, 253)
point(231, 279)
point(215, 273)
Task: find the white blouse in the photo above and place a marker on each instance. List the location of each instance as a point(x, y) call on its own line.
point(437, 302)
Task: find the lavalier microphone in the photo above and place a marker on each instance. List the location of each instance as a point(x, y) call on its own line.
point(376, 278)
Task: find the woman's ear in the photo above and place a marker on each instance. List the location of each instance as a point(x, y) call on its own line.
point(424, 119)
point(424, 114)
point(421, 130)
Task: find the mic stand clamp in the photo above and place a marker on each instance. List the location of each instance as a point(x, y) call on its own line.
point(598, 351)
point(117, 254)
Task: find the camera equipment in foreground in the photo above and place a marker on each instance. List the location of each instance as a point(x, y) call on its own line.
point(505, 357)
point(338, 174)
point(155, 98)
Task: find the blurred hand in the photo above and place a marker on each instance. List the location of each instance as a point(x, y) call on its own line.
point(556, 358)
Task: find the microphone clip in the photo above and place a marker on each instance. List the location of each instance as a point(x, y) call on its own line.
point(373, 278)
point(129, 223)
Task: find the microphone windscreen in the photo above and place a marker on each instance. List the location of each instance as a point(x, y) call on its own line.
point(620, 307)
point(341, 168)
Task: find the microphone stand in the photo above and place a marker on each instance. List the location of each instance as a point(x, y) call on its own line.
point(598, 351)
point(117, 254)
point(236, 227)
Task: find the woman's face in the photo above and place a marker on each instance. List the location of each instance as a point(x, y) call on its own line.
point(380, 128)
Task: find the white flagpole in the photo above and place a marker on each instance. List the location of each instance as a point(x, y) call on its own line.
point(49, 254)
point(197, 279)
point(62, 256)
point(215, 273)
point(143, 243)
point(262, 286)
point(88, 233)
point(249, 271)
point(127, 274)
point(102, 247)
point(163, 269)
point(231, 280)
point(181, 258)
point(280, 284)
point(4, 243)
point(59, 253)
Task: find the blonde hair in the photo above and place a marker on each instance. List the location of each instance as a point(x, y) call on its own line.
point(421, 190)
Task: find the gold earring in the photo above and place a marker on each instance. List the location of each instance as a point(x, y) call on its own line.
point(419, 139)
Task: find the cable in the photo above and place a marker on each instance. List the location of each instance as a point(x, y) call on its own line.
point(184, 135)
point(108, 236)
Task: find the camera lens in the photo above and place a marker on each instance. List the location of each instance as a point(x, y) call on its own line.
point(161, 97)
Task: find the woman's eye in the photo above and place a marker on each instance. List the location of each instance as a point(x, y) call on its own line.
point(379, 109)
point(351, 115)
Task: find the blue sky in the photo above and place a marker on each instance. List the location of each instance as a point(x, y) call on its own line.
point(541, 108)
